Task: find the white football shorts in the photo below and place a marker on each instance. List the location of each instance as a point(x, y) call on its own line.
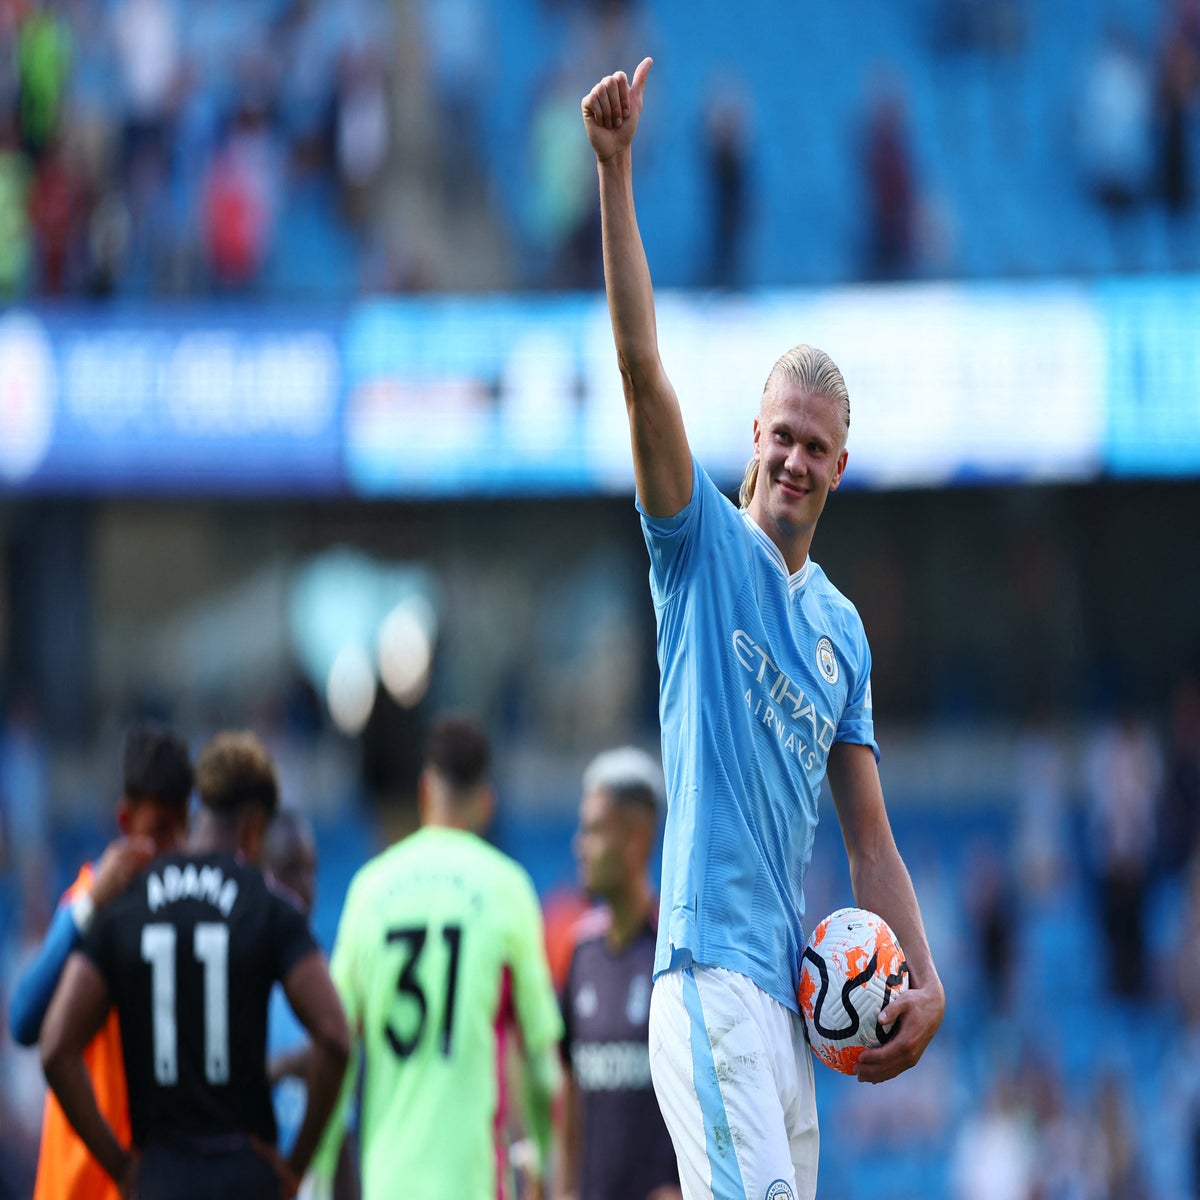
point(734, 1078)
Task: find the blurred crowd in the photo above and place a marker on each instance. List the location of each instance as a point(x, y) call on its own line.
point(313, 150)
point(158, 148)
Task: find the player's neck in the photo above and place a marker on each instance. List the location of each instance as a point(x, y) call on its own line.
point(793, 542)
point(630, 912)
point(448, 821)
point(211, 833)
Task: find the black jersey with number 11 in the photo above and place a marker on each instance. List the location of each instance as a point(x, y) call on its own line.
point(190, 953)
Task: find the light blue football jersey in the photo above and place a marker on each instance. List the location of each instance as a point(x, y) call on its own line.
point(762, 672)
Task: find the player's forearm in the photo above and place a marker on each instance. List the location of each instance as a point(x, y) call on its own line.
point(627, 274)
point(543, 1080)
point(68, 1079)
point(883, 885)
point(292, 1064)
point(327, 1067)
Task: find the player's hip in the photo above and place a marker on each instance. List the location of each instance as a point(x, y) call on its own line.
point(734, 1080)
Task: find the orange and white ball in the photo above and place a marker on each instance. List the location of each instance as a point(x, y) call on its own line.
point(851, 968)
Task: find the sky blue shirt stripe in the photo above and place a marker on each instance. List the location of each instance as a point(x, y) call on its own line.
point(761, 673)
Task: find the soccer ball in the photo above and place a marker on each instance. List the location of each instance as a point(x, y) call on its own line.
point(852, 965)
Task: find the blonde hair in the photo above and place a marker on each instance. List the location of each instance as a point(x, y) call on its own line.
point(812, 370)
point(235, 769)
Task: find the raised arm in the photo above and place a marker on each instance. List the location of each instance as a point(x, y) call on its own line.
point(662, 461)
point(882, 885)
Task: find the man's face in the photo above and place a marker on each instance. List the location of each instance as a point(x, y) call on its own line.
point(164, 824)
point(600, 845)
point(297, 870)
point(799, 441)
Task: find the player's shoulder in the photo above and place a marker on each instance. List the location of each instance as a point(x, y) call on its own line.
point(506, 871)
point(706, 498)
point(282, 893)
point(836, 603)
point(367, 878)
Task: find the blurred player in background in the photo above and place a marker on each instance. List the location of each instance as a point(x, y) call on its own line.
point(152, 814)
point(765, 690)
point(290, 858)
point(439, 959)
point(615, 1145)
point(188, 957)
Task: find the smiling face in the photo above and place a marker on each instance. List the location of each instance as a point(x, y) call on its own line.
point(800, 448)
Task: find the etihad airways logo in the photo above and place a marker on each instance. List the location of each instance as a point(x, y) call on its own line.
point(781, 704)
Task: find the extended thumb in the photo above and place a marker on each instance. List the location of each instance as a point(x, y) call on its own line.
point(639, 76)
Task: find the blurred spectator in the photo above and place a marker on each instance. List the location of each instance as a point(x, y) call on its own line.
point(1179, 812)
point(991, 908)
point(145, 36)
point(995, 26)
point(458, 42)
point(563, 218)
point(16, 243)
point(1040, 779)
point(1185, 1063)
point(108, 236)
point(43, 60)
point(1115, 125)
point(1122, 777)
point(1178, 75)
point(241, 199)
point(1114, 1156)
point(25, 788)
point(1060, 1168)
point(726, 155)
point(363, 128)
point(994, 1151)
point(57, 208)
point(309, 40)
point(22, 1085)
point(891, 200)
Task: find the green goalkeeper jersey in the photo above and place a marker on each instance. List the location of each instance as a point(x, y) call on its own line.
point(439, 960)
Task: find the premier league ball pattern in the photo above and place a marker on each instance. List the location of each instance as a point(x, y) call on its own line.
point(852, 966)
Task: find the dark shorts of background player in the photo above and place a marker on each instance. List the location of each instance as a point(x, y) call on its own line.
point(206, 1169)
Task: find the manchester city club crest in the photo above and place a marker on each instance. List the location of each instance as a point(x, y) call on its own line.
point(827, 662)
point(780, 1190)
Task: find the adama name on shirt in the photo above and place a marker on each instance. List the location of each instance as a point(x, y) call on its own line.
point(191, 883)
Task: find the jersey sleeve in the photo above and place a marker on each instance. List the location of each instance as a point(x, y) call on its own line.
point(669, 540)
point(857, 723)
point(538, 1016)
